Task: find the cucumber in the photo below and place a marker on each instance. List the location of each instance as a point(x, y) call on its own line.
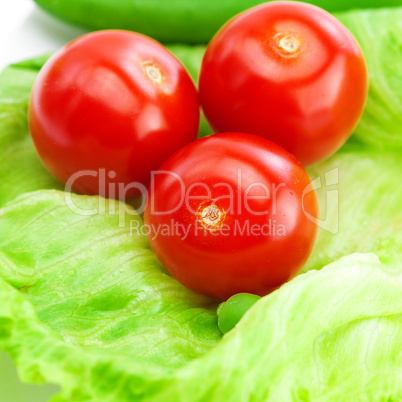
point(185, 21)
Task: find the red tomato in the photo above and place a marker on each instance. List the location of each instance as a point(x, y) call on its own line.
point(228, 214)
point(287, 71)
point(112, 100)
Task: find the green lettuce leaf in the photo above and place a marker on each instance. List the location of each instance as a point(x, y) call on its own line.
point(379, 34)
point(328, 335)
point(20, 167)
point(92, 278)
point(86, 305)
point(360, 206)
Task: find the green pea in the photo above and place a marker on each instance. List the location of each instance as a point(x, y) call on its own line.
point(231, 311)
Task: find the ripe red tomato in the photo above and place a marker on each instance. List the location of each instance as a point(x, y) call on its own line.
point(287, 71)
point(228, 214)
point(112, 100)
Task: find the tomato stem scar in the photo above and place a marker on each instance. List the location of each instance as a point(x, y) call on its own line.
point(211, 216)
point(287, 43)
point(153, 71)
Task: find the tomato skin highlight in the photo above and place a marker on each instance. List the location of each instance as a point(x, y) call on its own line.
point(112, 100)
point(287, 71)
point(217, 241)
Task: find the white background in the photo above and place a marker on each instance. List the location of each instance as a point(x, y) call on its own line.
point(26, 31)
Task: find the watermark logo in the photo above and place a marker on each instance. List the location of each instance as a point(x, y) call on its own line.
point(175, 229)
point(329, 209)
point(237, 198)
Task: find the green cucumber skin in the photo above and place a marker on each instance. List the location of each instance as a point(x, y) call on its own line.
point(185, 21)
